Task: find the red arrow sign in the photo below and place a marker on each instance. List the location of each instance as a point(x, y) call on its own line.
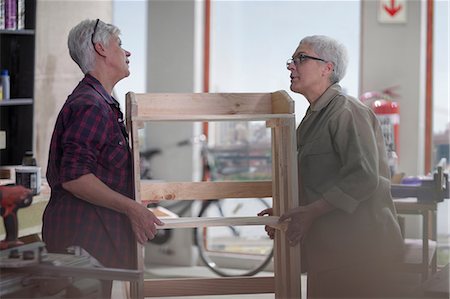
point(393, 9)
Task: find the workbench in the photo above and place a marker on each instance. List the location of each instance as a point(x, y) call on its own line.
point(420, 253)
point(51, 275)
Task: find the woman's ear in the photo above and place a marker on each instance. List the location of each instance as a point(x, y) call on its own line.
point(100, 49)
point(327, 69)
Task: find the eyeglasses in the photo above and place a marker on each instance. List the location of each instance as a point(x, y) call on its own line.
point(93, 33)
point(300, 59)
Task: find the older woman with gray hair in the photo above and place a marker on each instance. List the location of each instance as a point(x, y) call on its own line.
point(92, 206)
point(346, 222)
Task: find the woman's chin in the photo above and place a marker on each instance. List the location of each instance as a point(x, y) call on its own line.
point(294, 88)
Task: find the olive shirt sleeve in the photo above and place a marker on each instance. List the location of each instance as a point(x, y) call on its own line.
point(354, 141)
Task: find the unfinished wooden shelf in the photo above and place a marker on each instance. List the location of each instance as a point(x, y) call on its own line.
point(277, 109)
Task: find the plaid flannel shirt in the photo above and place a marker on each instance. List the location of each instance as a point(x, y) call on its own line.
point(89, 137)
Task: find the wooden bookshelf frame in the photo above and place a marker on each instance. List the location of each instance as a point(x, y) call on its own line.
point(277, 109)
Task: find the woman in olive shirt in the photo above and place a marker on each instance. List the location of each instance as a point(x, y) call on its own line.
point(346, 221)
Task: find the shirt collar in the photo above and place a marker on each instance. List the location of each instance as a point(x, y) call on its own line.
point(92, 81)
point(326, 97)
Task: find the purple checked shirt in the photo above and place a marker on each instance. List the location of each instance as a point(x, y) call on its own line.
point(89, 137)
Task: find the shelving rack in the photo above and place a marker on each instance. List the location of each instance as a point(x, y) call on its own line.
point(277, 109)
point(17, 52)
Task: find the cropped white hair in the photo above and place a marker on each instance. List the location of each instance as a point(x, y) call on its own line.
point(330, 50)
point(81, 39)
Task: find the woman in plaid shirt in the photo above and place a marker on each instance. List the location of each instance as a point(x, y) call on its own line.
point(90, 167)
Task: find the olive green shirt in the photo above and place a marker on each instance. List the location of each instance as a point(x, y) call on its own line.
point(342, 159)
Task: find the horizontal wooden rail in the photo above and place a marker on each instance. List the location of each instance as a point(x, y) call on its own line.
point(190, 222)
point(170, 104)
point(204, 190)
point(208, 118)
point(208, 286)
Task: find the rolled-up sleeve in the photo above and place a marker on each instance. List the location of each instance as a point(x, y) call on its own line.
point(354, 141)
point(82, 140)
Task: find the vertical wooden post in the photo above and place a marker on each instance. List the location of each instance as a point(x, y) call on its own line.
point(136, 288)
point(285, 196)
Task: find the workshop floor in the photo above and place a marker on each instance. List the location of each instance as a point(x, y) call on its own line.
point(196, 271)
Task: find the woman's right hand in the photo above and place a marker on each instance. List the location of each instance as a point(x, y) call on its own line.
point(143, 222)
point(270, 230)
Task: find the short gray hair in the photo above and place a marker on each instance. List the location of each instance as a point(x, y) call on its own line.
point(329, 50)
point(80, 45)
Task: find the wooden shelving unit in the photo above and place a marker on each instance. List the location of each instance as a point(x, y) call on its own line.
point(277, 109)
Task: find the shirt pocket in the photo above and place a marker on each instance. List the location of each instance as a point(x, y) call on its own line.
point(116, 151)
point(318, 163)
point(318, 146)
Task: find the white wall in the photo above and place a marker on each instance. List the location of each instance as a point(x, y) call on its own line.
point(56, 74)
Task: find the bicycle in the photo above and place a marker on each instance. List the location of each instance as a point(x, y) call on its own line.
point(233, 250)
point(229, 251)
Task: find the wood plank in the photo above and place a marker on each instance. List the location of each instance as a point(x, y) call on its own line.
point(282, 103)
point(290, 144)
point(191, 222)
point(208, 286)
point(277, 210)
point(286, 258)
point(405, 205)
point(164, 104)
point(212, 117)
point(136, 287)
point(155, 191)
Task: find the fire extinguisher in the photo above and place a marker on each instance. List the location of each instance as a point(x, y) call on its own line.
point(388, 115)
point(387, 112)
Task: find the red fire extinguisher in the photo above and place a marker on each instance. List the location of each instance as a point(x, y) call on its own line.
point(388, 114)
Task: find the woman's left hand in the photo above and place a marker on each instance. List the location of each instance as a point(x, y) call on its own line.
point(302, 217)
point(300, 221)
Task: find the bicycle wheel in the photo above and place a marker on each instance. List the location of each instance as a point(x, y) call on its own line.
point(234, 250)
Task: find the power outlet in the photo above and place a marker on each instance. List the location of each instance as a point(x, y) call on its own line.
point(2, 139)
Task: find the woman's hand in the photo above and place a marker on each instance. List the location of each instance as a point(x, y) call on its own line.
point(270, 230)
point(143, 222)
point(301, 218)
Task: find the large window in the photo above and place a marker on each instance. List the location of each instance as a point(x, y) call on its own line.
point(251, 41)
point(441, 94)
point(441, 116)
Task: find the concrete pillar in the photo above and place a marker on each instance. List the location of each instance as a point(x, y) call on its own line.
point(394, 55)
point(172, 66)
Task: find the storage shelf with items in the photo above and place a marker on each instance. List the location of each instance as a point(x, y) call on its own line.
point(17, 52)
